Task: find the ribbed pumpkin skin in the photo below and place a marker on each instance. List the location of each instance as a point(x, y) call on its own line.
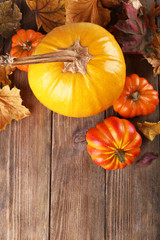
point(109, 136)
point(76, 94)
point(19, 42)
point(146, 103)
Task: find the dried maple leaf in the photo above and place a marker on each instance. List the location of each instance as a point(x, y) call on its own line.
point(87, 11)
point(49, 13)
point(10, 17)
point(132, 33)
point(146, 159)
point(154, 56)
point(110, 3)
point(11, 106)
point(150, 130)
point(6, 70)
point(154, 11)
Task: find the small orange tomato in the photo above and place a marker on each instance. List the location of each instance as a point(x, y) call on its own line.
point(23, 44)
point(138, 98)
point(114, 143)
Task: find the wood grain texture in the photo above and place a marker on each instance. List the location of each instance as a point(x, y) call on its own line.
point(78, 185)
point(51, 189)
point(132, 194)
point(25, 163)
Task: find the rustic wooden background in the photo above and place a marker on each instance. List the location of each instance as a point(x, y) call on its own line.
point(50, 188)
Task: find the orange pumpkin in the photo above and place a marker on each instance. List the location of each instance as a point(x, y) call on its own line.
point(23, 44)
point(138, 98)
point(114, 143)
point(89, 84)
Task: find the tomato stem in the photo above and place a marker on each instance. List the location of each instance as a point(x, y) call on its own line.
point(121, 155)
point(27, 46)
point(135, 95)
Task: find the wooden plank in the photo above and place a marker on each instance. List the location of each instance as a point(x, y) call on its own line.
point(78, 185)
point(25, 163)
point(132, 194)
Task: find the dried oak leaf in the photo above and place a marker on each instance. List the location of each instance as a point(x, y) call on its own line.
point(11, 106)
point(150, 130)
point(154, 56)
point(110, 3)
point(10, 17)
point(132, 33)
point(49, 13)
point(154, 11)
point(146, 159)
point(87, 11)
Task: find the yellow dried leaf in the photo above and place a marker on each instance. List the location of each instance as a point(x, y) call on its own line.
point(154, 57)
point(11, 106)
point(87, 11)
point(150, 130)
point(4, 72)
point(49, 13)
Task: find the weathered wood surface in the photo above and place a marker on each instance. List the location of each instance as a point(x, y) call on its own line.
point(50, 188)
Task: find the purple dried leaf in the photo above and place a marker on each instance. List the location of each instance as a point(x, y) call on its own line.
point(146, 159)
point(132, 33)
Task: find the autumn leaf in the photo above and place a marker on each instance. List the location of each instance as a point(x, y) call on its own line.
point(146, 159)
point(154, 11)
point(136, 4)
point(150, 130)
point(4, 72)
point(154, 57)
point(87, 11)
point(132, 33)
point(10, 17)
point(110, 3)
point(11, 106)
point(49, 13)
point(6, 69)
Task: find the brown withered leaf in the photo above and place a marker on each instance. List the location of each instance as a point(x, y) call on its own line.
point(154, 11)
point(154, 57)
point(110, 3)
point(146, 159)
point(49, 13)
point(5, 71)
point(10, 17)
point(11, 106)
point(150, 130)
point(87, 11)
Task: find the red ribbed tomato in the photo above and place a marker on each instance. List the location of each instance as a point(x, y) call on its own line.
point(23, 44)
point(113, 143)
point(138, 98)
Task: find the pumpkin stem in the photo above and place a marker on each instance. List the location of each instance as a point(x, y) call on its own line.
point(120, 154)
point(135, 96)
point(75, 58)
